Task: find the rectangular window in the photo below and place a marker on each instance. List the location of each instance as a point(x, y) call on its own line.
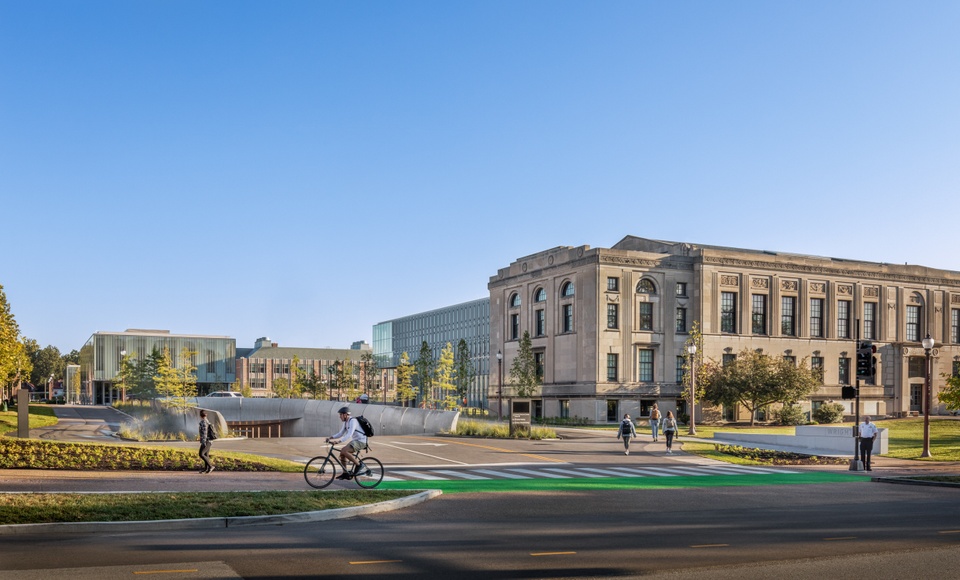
point(790, 359)
point(917, 367)
point(816, 317)
point(916, 397)
point(728, 312)
point(869, 320)
point(728, 358)
point(681, 288)
point(955, 325)
point(612, 316)
point(844, 371)
point(788, 321)
point(816, 365)
point(645, 367)
point(538, 365)
point(913, 323)
point(843, 319)
point(613, 284)
point(759, 316)
point(514, 326)
point(680, 370)
point(956, 368)
point(564, 408)
point(646, 316)
point(540, 326)
point(567, 311)
point(612, 366)
point(681, 319)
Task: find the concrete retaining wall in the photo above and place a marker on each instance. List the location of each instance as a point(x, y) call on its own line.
point(813, 438)
point(308, 418)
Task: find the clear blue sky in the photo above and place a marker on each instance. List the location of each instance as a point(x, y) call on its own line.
point(304, 170)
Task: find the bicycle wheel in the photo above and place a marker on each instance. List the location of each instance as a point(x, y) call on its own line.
point(319, 472)
point(371, 474)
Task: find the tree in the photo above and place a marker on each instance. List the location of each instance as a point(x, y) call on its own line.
point(694, 362)
point(443, 377)
point(371, 374)
point(425, 366)
point(47, 362)
point(126, 376)
point(314, 385)
point(756, 380)
point(404, 379)
point(14, 362)
point(523, 371)
point(950, 394)
point(177, 382)
point(71, 358)
point(145, 370)
point(298, 376)
point(464, 370)
point(281, 388)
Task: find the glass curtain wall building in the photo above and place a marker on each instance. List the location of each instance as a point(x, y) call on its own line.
point(215, 359)
point(469, 321)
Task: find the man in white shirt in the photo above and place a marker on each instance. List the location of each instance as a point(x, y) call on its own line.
point(356, 442)
point(868, 434)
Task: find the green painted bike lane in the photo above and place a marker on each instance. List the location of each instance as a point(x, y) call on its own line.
point(578, 484)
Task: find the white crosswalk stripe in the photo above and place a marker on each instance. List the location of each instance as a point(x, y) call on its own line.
point(501, 474)
point(540, 473)
point(460, 474)
point(537, 472)
point(419, 475)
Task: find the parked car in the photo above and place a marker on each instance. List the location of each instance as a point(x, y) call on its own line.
point(225, 394)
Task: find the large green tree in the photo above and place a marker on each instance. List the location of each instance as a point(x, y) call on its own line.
point(404, 374)
point(756, 380)
point(464, 371)
point(425, 366)
point(47, 362)
point(443, 378)
point(15, 365)
point(523, 370)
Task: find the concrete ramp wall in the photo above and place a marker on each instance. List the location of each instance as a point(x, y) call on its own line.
point(309, 418)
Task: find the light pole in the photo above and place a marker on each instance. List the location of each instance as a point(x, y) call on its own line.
point(123, 378)
point(692, 349)
point(499, 386)
point(927, 345)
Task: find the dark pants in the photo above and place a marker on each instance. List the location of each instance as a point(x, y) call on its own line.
point(866, 448)
point(205, 455)
point(669, 435)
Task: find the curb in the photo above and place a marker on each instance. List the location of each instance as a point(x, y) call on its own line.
point(910, 481)
point(216, 523)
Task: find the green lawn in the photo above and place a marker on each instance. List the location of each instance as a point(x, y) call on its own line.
point(40, 416)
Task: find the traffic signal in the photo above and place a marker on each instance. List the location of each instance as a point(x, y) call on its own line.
point(865, 364)
point(848, 392)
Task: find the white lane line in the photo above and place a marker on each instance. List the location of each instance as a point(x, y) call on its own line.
point(501, 474)
point(460, 474)
point(575, 472)
point(443, 459)
point(540, 473)
point(418, 475)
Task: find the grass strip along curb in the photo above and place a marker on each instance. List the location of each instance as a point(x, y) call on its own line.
point(576, 484)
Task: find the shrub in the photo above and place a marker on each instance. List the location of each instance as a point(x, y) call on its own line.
point(829, 413)
point(791, 415)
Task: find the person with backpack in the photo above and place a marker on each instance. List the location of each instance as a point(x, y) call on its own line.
point(356, 439)
point(669, 430)
point(626, 431)
point(655, 422)
point(207, 435)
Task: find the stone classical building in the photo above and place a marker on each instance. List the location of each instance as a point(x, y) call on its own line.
point(609, 325)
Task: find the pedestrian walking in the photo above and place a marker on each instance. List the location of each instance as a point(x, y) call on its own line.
point(669, 430)
point(655, 422)
point(207, 436)
point(626, 431)
point(868, 434)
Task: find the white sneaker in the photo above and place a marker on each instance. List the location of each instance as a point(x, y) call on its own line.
point(669, 452)
point(627, 452)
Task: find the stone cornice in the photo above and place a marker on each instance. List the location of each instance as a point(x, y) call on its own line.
point(784, 266)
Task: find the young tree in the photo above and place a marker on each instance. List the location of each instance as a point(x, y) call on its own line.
point(690, 361)
point(950, 394)
point(298, 377)
point(464, 371)
point(14, 362)
point(281, 388)
point(314, 385)
point(425, 366)
point(404, 380)
point(143, 385)
point(126, 376)
point(443, 377)
point(178, 382)
point(756, 380)
point(523, 371)
point(371, 374)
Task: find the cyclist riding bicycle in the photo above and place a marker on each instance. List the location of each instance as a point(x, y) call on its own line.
point(356, 442)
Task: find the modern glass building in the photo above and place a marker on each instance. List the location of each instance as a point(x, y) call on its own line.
point(469, 321)
point(215, 359)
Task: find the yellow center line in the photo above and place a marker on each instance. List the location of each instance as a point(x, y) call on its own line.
point(551, 553)
point(165, 571)
point(840, 538)
point(710, 546)
point(376, 562)
point(949, 532)
point(500, 449)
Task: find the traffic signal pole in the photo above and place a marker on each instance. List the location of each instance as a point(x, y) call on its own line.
point(855, 463)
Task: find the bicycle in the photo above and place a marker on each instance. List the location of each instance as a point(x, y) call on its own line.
point(322, 469)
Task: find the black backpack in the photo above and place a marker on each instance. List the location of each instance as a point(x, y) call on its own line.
point(365, 426)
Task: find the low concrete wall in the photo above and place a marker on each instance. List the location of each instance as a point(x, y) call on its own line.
point(820, 439)
point(308, 418)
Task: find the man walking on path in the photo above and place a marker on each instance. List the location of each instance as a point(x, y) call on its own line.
point(868, 434)
point(206, 442)
point(626, 431)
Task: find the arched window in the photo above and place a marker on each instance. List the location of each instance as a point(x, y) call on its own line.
point(515, 301)
point(539, 295)
point(566, 290)
point(646, 286)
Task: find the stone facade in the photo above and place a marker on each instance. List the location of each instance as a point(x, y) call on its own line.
point(609, 325)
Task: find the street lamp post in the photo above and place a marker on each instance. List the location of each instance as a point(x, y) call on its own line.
point(692, 349)
point(499, 386)
point(927, 345)
point(123, 377)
